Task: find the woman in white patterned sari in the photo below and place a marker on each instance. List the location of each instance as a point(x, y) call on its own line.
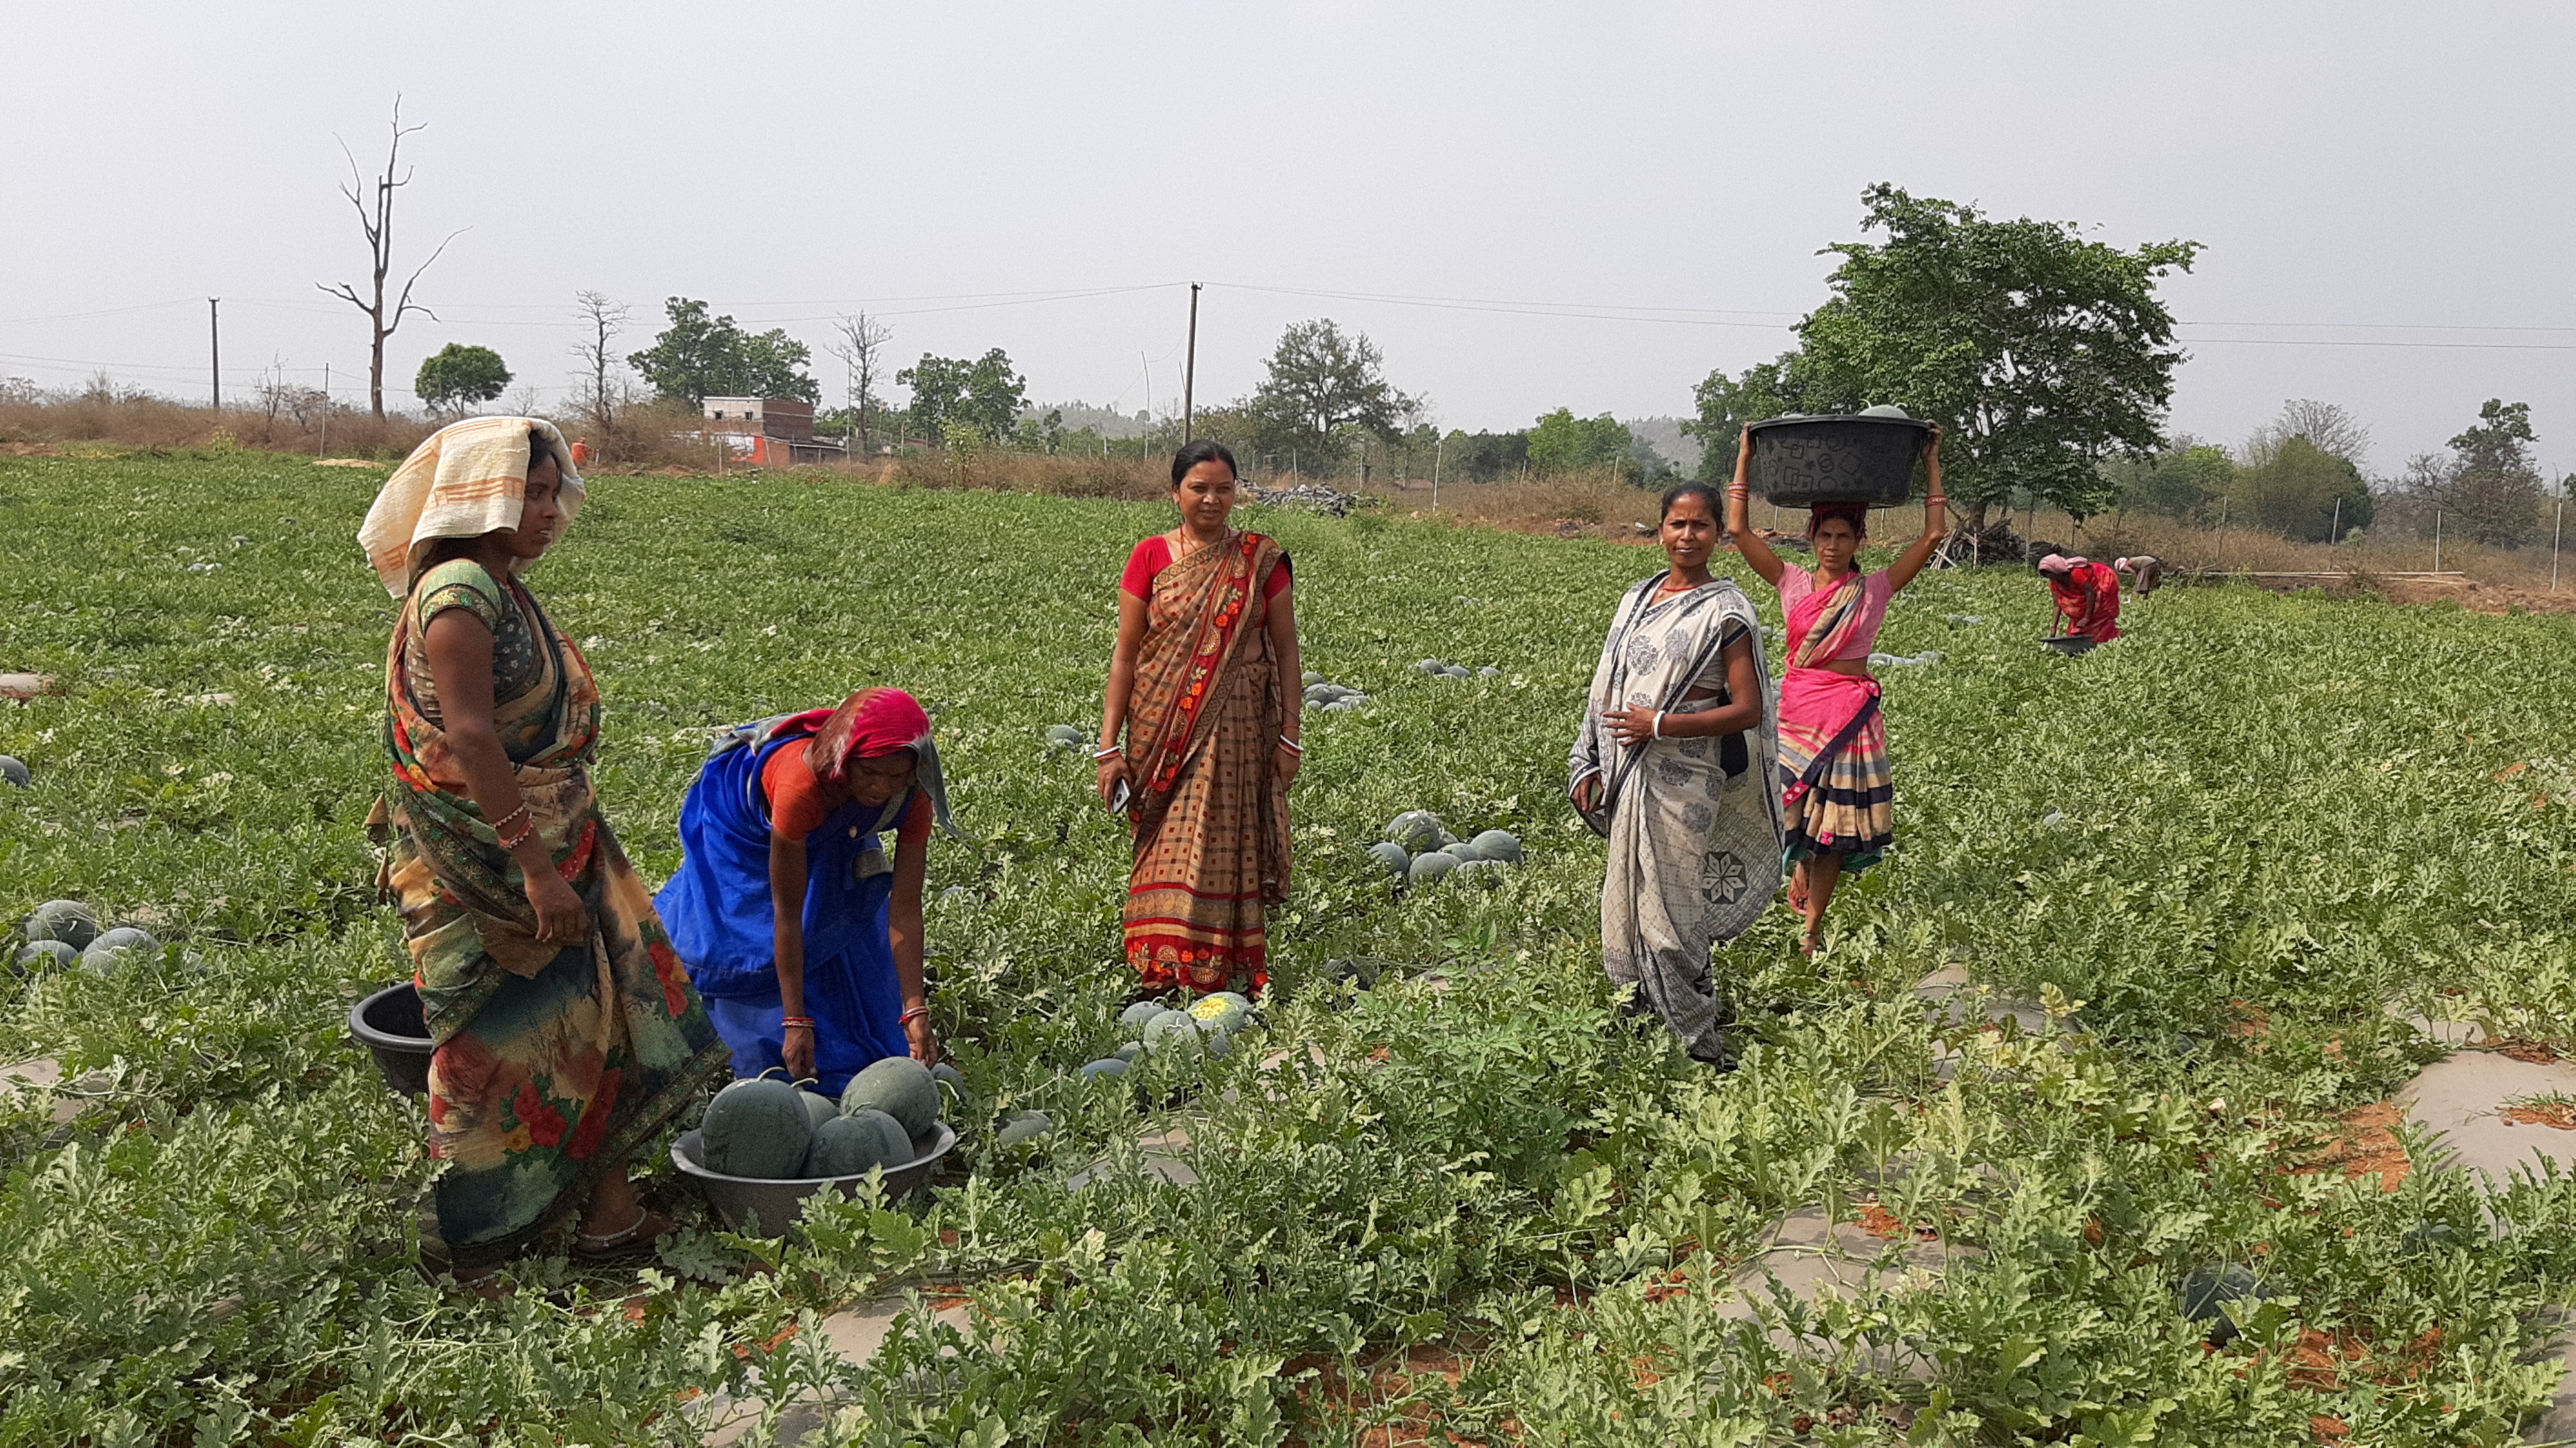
point(1674, 767)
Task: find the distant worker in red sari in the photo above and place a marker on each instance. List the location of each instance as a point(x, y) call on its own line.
point(1199, 737)
point(1834, 777)
point(2087, 594)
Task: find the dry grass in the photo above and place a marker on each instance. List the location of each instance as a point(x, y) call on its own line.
point(123, 418)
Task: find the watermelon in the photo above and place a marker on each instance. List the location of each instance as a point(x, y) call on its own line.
point(1310, 678)
point(2205, 1292)
point(952, 1085)
point(1489, 672)
point(1415, 829)
point(1318, 694)
point(893, 1147)
point(1063, 736)
point(819, 1108)
point(1134, 1019)
point(1431, 666)
point(1500, 845)
point(1213, 1041)
point(1223, 1011)
point(848, 1145)
point(1431, 868)
point(899, 1086)
point(1129, 1051)
point(1390, 856)
point(38, 955)
point(68, 921)
point(1172, 1030)
point(1105, 1066)
point(756, 1128)
point(1477, 872)
point(1463, 851)
point(15, 771)
point(1026, 1127)
point(118, 948)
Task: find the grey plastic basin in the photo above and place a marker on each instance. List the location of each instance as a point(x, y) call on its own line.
point(389, 1025)
point(763, 1207)
point(1804, 459)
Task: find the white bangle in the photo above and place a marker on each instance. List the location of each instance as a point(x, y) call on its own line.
point(1657, 732)
point(1103, 756)
point(1291, 745)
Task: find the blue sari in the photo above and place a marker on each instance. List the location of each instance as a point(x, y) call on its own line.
point(719, 913)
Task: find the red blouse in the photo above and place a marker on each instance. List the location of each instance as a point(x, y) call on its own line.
point(797, 807)
point(1155, 554)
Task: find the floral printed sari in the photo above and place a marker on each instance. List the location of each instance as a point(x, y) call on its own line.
point(1210, 811)
point(553, 1062)
point(1834, 780)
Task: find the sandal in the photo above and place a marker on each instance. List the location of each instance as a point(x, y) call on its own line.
point(635, 1241)
point(485, 1283)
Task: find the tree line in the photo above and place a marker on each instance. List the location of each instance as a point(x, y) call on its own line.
point(2048, 357)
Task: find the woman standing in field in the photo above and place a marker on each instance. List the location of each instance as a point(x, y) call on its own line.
point(566, 1031)
point(1833, 742)
point(804, 940)
point(1673, 765)
point(1202, 687)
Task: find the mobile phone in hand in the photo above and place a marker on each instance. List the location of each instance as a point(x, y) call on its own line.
point(1119, 795)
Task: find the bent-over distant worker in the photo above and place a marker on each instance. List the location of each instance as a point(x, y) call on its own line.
point(2145, 570)
point(2088, 596)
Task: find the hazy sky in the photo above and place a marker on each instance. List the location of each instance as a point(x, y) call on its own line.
point(2396, 176)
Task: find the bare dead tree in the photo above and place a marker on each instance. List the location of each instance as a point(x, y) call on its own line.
point(377, 222)
point(605, 319)
point(863, 339)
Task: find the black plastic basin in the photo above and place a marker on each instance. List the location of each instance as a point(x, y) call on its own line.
point(1801, 460)
point(389, 1025)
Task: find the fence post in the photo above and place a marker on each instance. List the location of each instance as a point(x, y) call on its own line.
point(2437, 540)
point(2556, 530)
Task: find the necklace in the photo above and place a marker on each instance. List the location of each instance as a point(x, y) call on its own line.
point(1189, 545)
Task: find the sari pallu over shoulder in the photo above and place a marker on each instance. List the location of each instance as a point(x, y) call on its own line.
point(1834, 780)
point(1210, 811)
point(553, 1062)
point(1694, 827)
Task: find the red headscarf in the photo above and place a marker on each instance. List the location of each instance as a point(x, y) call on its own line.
point(869, 724)
point(1856, 514)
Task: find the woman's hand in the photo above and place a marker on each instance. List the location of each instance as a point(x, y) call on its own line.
point(798, 1052)
point(1632, 726)
point(1587, 793)
point(560, 914)
point(1112, 770)
point(924, 1041)
point(1286, 762)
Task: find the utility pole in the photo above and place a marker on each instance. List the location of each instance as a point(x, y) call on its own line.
point(1190, 375)
point(2334, 531)
point(2556, 530)
point(215, 351)
point(2437, 540)
point(1437, 448)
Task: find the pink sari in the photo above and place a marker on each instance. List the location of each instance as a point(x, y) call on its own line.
point(1834, 783)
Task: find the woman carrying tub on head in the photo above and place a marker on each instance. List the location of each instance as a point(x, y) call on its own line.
point(1204, 686)
point(566, 1031)
point(1833, 743)
point(1673, 765)
point(804, 939)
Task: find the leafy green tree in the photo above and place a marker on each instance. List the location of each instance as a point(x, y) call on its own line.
point(2488, 489)
point(699, 356)
point(2184, 481)
point(1484, 457)
point(457, 376)
point(1562, 442)
point(2297, 489)
point(1324, 387)
point(2040, 352)
point(1725, 404)
point(984, 395)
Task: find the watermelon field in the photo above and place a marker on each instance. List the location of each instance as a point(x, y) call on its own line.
point(1450, 1193)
